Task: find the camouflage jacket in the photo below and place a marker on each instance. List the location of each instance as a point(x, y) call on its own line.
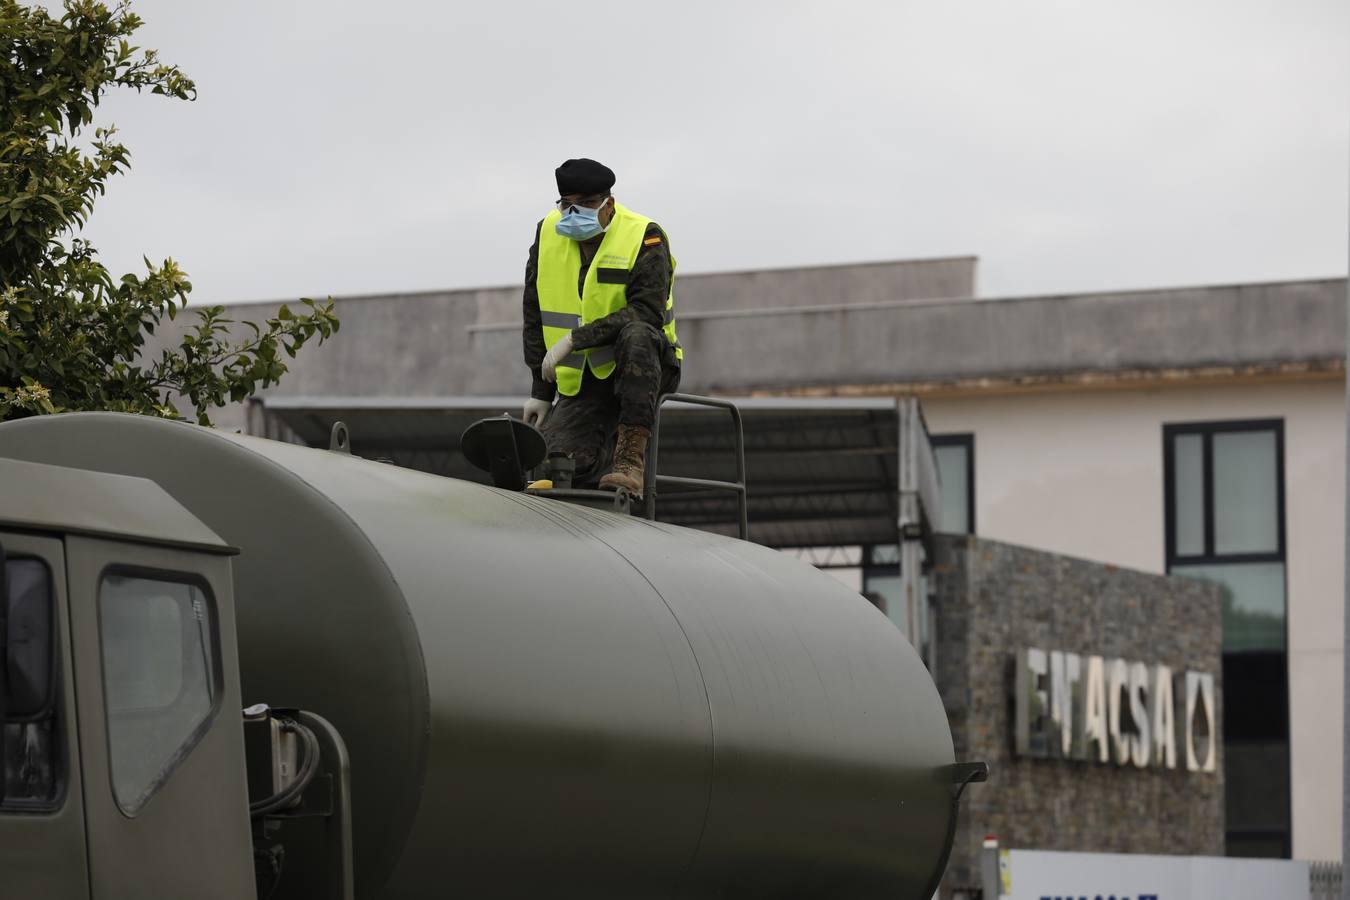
point(648, 287)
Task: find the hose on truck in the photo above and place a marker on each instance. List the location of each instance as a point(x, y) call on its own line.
point(287, 795)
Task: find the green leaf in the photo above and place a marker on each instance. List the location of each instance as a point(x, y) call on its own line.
point(72, 326)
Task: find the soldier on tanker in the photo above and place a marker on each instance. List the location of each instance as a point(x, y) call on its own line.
point(599, 327)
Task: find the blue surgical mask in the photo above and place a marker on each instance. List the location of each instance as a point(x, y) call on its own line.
point(579, 223)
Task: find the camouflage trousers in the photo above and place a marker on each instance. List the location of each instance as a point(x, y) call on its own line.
point(584, 425)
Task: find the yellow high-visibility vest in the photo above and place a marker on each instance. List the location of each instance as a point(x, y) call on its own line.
point(605, 291)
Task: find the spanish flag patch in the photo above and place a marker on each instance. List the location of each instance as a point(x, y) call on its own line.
point(651, 241)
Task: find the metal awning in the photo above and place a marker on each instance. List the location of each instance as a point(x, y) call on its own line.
point(820, 472)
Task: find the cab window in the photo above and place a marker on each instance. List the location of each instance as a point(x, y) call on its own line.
point(160, 677)
point(30, 745)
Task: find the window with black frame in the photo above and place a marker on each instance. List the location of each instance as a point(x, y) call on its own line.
point(955, 454)
point(1225, 523)
point(30, 744)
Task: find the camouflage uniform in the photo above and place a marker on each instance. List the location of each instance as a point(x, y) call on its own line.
point(584, 425)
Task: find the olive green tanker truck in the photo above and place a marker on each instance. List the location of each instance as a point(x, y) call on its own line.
point(233, 668)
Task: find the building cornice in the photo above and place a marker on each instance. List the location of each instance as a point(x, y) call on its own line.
point(1063, 382)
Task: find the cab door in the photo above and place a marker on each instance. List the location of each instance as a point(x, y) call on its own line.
point(42, 837)
point(157, 688)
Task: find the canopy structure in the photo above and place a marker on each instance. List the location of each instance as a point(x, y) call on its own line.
point(819, 472)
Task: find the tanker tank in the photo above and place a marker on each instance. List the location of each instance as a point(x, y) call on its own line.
point(544, 700)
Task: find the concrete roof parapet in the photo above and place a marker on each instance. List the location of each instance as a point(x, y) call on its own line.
point(782, 331)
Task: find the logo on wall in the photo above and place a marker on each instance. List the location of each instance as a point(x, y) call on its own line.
point(1113, 710)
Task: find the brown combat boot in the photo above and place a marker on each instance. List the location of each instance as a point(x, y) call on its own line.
point(630, 454)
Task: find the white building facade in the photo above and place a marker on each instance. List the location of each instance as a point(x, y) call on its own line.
point(1118, 475)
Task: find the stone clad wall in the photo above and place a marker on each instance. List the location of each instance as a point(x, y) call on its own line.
point(994, 599)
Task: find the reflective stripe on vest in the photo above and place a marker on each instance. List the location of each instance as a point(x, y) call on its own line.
point(561, 309)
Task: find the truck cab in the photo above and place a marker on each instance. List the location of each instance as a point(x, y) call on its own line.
point(123, 749)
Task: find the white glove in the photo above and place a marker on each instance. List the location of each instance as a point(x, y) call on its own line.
point(535, 411)
point(556, 354)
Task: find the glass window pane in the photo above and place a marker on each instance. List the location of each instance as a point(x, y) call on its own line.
point(158, 670)
point(953, 469)
point(887, 593)
point(1188, 494)
point(1246, 517)
point(1253, 603)
point(885, 555)
point(1256, 788)
point(1259, 682)
point(30, 750)
point(1266, 845)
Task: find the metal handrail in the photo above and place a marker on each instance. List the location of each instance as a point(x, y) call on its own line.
point(652, 480)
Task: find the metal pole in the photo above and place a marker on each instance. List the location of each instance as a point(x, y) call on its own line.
point(1345, 656)
point(909, 523)
point(989, 881)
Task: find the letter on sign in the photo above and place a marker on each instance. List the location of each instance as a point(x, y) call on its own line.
point(1200, 706)
point(1117, 679)
point(1140, 745)
point(1164, 719)
point(1033, 702)
point(1094, 715)
point(1065, 677)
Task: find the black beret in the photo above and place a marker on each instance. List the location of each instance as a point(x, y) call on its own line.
point(585, 177)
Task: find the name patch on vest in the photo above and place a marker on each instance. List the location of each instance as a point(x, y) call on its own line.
point(611, 276)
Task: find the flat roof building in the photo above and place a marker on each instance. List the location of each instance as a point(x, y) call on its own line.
point(1196, 431)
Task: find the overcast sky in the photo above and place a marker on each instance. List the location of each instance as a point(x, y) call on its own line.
point(342, 148)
